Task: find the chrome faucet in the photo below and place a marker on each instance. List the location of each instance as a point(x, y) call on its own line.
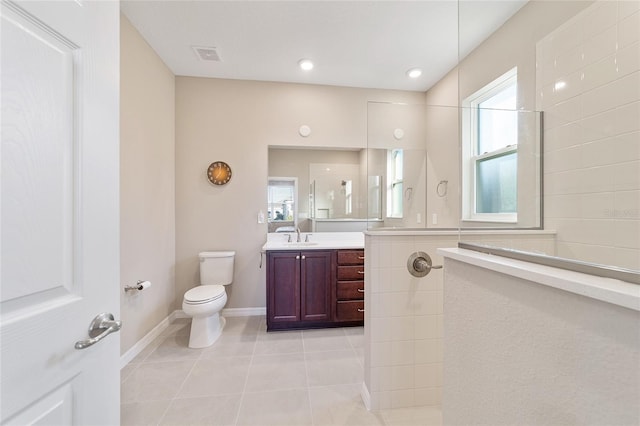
point(298, 232)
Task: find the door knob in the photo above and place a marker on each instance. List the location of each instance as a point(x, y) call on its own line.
point(101, 326)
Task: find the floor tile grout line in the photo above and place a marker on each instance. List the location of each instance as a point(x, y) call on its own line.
point(246, 379)
point(306, 372)
point(166, 410)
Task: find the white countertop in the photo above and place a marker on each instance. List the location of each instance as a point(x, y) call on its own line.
point(317, 241)
point(609, 290)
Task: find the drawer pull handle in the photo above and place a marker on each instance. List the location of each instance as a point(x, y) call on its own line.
point(361, 272)
point(361, 257)
point(360, 290)
point(360, 310)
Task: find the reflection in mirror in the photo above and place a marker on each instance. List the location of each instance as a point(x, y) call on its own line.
point(397, 163)
point(332, 200)
point(282, 204)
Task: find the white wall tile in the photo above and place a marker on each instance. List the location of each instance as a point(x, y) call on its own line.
point(567, 86)
point(597, 205)
point(402, 377)
point(626, 8)
point(603, 71)
point(563, 136)
point(380, 354)
point(402, 398)
point(600, 17)
point(425, 327)
point(626, 147)
point(627, 232)
point(629, 30)
point(563, 159)
point(626, 258)
point(567, 38)
point(625, 176)
point(428, 396)
point(401, 328)
point(403, 352)
point(628, 59)
point(568, 63)
point(627, 118)
point(563, 113)
point(600, 46)
point(615, 94)
point(627, 205)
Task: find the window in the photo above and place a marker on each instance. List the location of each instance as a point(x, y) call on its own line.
point(394, 183)
point(490, 152)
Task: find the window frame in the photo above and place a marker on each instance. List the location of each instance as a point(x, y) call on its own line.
point(470, 143)
point(394, 210)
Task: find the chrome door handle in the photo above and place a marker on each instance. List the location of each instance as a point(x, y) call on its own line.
point(101, 326)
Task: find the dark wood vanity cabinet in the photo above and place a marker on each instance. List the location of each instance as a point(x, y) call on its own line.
point(299, 288)
point(315, 288)
point(349, 300)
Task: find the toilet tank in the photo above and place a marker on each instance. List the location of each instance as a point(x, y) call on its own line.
point(216, 267)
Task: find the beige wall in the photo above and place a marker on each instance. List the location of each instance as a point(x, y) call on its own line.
point(235, 121)
point(147, 182)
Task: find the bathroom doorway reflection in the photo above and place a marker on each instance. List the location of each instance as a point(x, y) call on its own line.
point(282, 205)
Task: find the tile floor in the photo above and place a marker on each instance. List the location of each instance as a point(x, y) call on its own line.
point(251, 377)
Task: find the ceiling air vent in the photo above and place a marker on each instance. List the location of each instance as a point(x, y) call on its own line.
point(206, 53)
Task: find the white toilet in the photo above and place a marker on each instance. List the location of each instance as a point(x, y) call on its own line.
point(204, 302)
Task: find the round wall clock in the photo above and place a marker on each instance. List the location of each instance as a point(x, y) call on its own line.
point(219, 173)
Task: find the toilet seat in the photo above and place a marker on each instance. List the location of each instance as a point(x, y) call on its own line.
point(204, 294)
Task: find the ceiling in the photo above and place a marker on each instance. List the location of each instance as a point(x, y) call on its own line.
point(352, 43)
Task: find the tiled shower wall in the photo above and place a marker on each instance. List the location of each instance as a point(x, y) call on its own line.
point(588, 85)
point(403, 314)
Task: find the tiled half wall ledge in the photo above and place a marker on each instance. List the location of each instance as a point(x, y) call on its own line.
point(404, 314)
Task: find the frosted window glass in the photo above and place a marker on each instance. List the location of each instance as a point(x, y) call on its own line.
point(496, 184)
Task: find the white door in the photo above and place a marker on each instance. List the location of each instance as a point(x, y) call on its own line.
point(59, 206)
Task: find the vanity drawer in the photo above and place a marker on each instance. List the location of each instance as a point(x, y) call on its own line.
point(350, 290)
point(351, 272)
point(350, 310)
point(350, 257)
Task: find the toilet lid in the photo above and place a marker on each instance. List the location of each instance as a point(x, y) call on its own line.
point(204, 293)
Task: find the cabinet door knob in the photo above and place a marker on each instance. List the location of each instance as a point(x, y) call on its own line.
point(360, 290)
point(303, 257)
point(298, 257)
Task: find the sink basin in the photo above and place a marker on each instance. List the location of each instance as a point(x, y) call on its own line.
point(301, 244)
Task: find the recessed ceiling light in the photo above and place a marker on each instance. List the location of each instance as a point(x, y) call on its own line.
point(305, 64)
point(414, 72)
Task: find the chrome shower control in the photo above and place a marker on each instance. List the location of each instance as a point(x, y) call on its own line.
point(420, 264)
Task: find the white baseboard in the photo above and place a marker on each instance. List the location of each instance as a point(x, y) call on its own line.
point(158, 329)
point(146, 340)
point(231, 312)
point(243, 312)
point(366, 396)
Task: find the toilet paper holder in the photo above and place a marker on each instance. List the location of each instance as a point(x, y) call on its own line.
point(140, 285)
point(419, 264)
